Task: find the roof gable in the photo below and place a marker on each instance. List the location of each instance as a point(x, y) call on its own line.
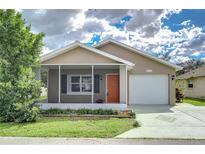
point(80, 56)
point(198, 72)
point(108, 41)
point(77, 44)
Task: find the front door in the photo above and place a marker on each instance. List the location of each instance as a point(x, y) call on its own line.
point(113, 87)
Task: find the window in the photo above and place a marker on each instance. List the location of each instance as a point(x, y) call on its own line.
point(81, 84)
point(75, 83)
point(86, 84)
point(190, 84)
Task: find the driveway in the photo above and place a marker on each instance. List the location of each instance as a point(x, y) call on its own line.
point(183, 121)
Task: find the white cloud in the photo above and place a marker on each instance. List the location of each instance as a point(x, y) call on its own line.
point(179, 59)
point(186, 23)
point(144, 31)
point(45, 50)
point(196, 53)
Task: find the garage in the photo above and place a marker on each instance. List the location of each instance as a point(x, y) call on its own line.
point(148, 89)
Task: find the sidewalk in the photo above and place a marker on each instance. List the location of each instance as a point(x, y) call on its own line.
point(93, 141)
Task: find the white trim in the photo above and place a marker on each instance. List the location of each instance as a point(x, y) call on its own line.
point(137, 51)
point(126, 102)
point(47, 83)
point(78, 44)
point(87, 64)
point(106, 90)
point(59, 86)
point(92, 84)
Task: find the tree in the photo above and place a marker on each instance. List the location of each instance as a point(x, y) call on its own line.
point(19, 56)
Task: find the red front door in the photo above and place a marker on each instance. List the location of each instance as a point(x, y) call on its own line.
point(113, 87)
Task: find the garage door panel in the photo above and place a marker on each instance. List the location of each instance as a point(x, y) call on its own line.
point(148, 89)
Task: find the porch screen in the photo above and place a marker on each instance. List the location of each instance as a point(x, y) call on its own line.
point(64, 83)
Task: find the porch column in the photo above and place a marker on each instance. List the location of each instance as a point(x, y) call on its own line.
point(47, 83)
point(92, 84)
point(59, 84)
point(126, 85)
point(123, 84)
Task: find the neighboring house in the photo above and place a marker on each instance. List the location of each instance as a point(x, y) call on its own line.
point(109, 75)
point(192, 83)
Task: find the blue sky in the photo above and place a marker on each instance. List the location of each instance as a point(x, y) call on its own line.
point(196, 17)
point(174, 35)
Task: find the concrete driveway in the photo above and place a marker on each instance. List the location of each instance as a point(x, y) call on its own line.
point(182, 121)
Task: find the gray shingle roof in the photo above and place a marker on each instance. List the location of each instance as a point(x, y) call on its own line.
point(199, 72)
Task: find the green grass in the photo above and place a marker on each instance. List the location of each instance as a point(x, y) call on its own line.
point(194, 101)
point(63, 127)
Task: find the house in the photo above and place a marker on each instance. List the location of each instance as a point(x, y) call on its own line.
point(108, 75)
point(192, 83)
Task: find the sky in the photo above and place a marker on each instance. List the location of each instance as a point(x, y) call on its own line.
point(174, 35)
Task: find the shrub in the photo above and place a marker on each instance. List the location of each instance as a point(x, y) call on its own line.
point(54, 111)
point(179, 96)
point(136, 124)
point(132, 114)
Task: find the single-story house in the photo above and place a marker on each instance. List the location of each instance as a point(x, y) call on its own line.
point(108, 75)
point(192, 83)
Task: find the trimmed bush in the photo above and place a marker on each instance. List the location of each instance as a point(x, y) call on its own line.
point(54, 111)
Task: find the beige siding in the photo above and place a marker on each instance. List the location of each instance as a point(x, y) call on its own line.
point(143, 65)
point(79, 56)
point(198, 90)
point(53, 86)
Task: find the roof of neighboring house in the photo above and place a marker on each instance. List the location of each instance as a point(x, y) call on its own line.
point(89, 48)
point(138, 52)
point(199, 72)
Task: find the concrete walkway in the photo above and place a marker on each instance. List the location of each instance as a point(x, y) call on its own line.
point(183, 121)
point(93, 141)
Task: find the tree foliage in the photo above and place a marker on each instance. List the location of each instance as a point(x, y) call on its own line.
point(19, 56)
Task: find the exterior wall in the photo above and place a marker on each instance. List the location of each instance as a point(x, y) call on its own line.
point(53, 86)
point(198, 90)
point(143, 65)
point(79, 56)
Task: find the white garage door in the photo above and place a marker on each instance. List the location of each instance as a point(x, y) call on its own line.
point(148, 89)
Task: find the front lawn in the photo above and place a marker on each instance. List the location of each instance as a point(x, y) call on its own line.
point(62, 127)
point(194, 101)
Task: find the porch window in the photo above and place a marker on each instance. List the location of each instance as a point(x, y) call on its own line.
point(80, 84)
point(75, 83)
point(86, 83)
